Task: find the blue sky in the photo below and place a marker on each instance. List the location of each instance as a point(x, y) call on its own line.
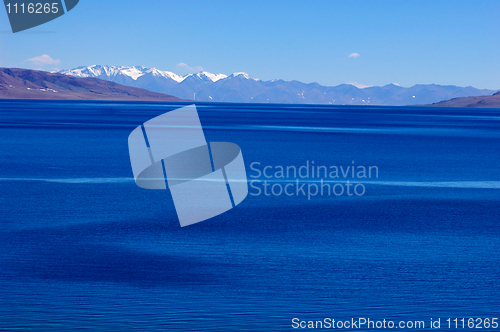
point(404, 42)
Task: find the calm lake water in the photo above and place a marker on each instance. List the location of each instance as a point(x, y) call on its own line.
point(83, 248)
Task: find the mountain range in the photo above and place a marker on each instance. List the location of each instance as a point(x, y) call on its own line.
point(16, 83)
point(241, 88)
point(476, 101)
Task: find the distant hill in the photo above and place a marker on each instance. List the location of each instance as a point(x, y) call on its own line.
point(242, 88)
point(18, 83)
point(492, 101)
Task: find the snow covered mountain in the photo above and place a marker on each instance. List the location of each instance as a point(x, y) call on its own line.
point(241, 88)
point(149, 78)
point(112, 73)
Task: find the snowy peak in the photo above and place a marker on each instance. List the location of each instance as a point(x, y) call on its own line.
point(206, 76)
point(210, 76)
point(107, 71)
point(359, 86)
point(164, 73)
point(111, 72)
point(91, 71)
point(243, 74)
point(134, 72)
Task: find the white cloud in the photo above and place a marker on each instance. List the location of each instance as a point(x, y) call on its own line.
point(190, 70)
point(44, 60)
point(354, 55)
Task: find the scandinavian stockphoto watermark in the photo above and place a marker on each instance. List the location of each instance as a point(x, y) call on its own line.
point(205, 179)
point(27, 14)
point(310, 180)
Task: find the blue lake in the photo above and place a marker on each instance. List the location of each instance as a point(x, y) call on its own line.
point(82, 247)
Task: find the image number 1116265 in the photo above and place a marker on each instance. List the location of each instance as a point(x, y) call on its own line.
point(32, 8)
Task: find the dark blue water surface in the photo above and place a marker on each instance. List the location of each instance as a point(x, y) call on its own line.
point(83, 248)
